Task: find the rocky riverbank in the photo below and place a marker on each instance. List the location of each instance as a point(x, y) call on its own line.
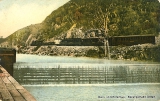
point(145, 52)
point(58, 50)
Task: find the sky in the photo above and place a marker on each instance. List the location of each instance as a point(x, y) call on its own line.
point(16, 14)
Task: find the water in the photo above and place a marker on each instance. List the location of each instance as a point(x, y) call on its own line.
point(109, 92)
point(21, 58)
point(89, 92)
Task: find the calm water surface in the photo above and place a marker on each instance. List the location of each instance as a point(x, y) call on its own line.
point(65, 59)
point(109, 92)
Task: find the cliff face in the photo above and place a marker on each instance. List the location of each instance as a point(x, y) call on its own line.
point(127, 17)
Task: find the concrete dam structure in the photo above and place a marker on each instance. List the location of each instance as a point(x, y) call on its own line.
point(82, 73)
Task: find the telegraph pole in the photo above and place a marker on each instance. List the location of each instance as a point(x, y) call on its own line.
point(106, 43)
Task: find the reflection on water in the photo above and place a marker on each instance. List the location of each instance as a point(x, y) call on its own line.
point(109, 92)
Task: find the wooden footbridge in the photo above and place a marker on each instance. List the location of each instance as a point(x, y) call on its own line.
point(11, 90)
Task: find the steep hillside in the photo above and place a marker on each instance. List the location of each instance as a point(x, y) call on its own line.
point(125, 17)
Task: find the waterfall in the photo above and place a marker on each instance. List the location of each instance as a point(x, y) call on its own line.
point(82, 73)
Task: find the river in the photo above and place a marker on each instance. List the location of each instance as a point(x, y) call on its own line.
point(89, 92)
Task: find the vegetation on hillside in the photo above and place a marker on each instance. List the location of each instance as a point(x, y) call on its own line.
point(124, 17)
point(127, 17)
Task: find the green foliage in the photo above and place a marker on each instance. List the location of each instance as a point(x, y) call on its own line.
point(95, 53)
point(19, 37)
point(101, 52)
point(127, 17)
point(147, 54)
point(92, 53)
point(155, 53)
point(124, 17)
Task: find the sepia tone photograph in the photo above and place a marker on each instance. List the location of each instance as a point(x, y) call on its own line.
point(79, 50)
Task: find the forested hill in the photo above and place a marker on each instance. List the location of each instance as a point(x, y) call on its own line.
point(124, 17)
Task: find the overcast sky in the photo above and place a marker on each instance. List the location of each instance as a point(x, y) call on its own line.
point(16, 14)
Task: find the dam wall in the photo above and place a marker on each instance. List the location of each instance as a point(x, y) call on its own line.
point(81, 73)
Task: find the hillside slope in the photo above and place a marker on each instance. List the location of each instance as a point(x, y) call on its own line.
point(127, 17)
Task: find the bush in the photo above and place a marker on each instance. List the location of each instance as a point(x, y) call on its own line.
point(92, 53)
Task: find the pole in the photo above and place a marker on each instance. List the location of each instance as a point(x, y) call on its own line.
point(105, 51)
point(106, 43)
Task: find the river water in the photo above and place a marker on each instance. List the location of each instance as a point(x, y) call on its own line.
point(66, 59)
point(89, 92)
point(108, 92)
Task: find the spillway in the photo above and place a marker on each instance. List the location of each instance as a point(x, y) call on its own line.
point(85, 73)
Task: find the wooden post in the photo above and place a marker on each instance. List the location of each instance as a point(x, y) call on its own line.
point(78, 76)
point(82, 78)
point(105, 74)
point(58, 74)
point(158, 75)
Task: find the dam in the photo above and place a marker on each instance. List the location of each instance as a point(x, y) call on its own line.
point(53, 78)
point(93, 72)
point(53, 73)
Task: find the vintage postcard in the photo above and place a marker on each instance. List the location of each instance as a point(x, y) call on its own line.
point(80, 50)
